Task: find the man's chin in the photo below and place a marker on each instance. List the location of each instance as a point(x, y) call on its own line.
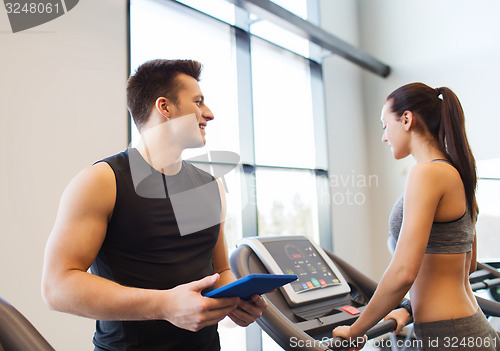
point(196, 145)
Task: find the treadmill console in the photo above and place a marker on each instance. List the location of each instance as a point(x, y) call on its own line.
point(319, 278)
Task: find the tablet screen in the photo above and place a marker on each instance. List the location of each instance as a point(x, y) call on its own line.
point(301, 258)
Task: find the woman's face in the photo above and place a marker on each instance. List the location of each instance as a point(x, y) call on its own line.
point(395, 133)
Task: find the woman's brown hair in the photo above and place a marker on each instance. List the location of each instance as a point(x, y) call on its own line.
point(443, 117)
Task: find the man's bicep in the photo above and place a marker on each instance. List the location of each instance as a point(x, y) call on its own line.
point(82, 220)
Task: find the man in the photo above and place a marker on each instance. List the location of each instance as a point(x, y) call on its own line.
point(151, 228)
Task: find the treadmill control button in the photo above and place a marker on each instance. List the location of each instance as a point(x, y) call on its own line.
point(351, 310)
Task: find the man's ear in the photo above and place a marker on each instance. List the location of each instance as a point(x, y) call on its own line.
point(408, 119)
point(164, 107)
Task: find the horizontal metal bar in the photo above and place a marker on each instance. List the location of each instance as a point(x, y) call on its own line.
point(317, 171)
point(237, 26)
point(274, 13)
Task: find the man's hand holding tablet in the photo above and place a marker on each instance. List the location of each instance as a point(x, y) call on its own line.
point(252, 284)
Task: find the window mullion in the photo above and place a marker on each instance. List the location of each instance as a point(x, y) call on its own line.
point(247, 146)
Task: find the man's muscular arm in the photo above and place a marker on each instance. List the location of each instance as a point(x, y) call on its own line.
point(77, 236)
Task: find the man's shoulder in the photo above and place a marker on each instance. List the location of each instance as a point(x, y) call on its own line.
point(93, 187)
point(102, 173)
point(118, 162)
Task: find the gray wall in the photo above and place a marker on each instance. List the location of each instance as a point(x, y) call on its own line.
point(62, 103)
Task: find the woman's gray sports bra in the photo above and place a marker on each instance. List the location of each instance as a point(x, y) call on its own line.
point(445, 237)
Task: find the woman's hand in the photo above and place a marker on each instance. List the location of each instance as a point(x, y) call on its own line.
point(401, 316)
point(354, 342)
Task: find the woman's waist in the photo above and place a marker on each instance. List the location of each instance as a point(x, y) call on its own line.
point(441, 301)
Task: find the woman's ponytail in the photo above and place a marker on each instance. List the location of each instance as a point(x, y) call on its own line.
point(453, 140)
point(444, 120)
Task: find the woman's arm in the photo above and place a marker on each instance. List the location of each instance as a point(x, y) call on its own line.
point(422, 195)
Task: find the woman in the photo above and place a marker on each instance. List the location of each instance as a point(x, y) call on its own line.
point(433, 223)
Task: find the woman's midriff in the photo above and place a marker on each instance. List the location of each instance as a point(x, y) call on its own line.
point(441, 290)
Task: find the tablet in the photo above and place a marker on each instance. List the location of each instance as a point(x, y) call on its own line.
point(252, 284)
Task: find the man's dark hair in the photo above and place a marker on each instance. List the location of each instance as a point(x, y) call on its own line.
point(154, 79)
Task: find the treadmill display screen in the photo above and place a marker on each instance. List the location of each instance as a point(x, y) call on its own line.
point(301, 258)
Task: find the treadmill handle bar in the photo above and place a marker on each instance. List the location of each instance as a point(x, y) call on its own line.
point(339, 344)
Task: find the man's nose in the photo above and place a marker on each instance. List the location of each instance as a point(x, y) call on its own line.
point(207, 114)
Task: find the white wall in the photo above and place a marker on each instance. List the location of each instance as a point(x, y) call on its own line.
point(62, 107)
point(450, 43)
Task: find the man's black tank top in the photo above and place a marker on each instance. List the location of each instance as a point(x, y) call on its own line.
point(144, 248)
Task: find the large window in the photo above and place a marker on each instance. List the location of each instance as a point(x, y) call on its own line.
point(162, 31)
point(265, 91)
point(283, 113)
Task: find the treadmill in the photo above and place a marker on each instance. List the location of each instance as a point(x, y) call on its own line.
point(329, 292)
